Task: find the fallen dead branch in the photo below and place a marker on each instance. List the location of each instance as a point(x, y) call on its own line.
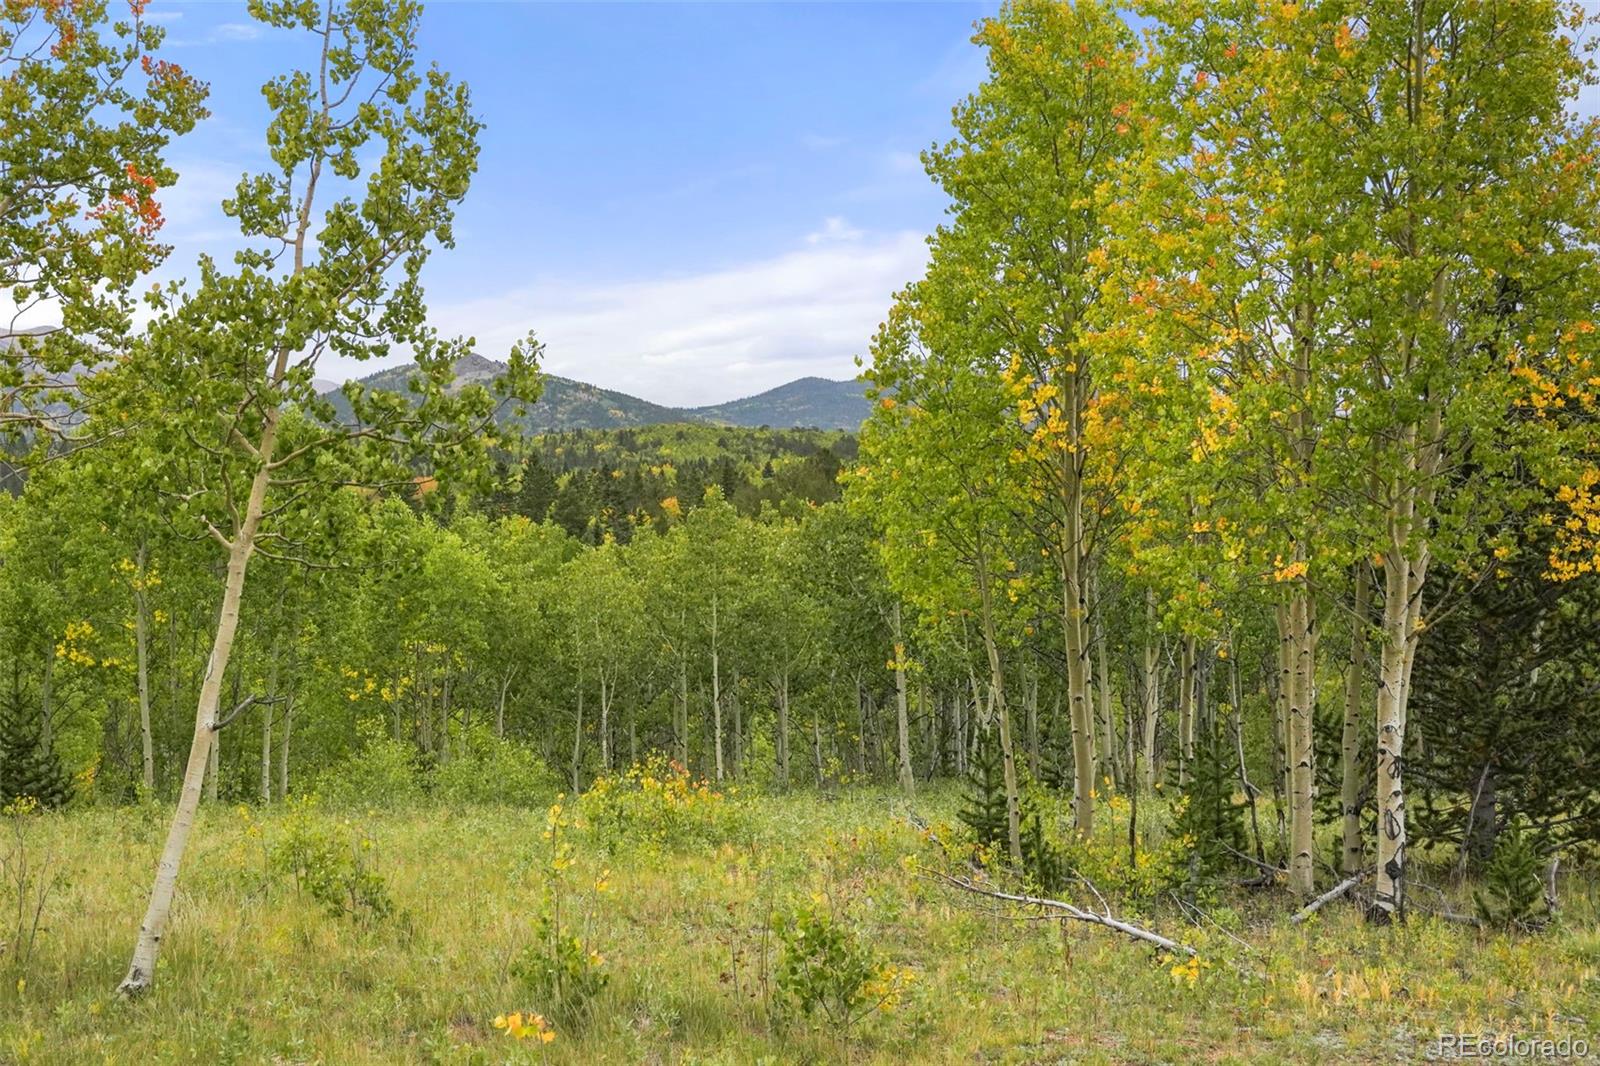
point(1067, 910)
point(1271, 872)
point(1329, 896)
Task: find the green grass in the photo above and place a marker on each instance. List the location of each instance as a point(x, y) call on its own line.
point(252, 971)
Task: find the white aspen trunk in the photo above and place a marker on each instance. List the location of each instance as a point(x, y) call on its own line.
point(577, 741)
point(1402, 620)
point(1301, 768)
point(1351, 852)
point(283, 746)
point(605, 723)
point(781, 731)
point(716, 689)
point(444, 717)
point(1152, 690)
point(1080, 708)
point(142, 967)
point(1281, 783)
point(816, 741)
point(1390, 879)
point(902, 715)
point(861, 730)
point(958, 735)
point(1103, 692)
point(141, 647)
point(735, 767)
point(1186, 663)
point(213, 769)
point(266, 730)
point(47, 714)
point(500, 704)
point(681, 716)
point(1030, 701)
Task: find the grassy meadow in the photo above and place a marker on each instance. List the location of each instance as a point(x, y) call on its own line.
point(681, 908)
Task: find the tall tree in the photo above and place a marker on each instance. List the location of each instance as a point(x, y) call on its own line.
point(1057, 114)
point(234, 360)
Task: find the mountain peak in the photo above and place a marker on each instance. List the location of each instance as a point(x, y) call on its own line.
point(809, 401)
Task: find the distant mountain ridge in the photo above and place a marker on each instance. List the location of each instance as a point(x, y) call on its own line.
point(815, 402)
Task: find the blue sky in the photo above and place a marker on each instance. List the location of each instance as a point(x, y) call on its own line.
point(690, 202)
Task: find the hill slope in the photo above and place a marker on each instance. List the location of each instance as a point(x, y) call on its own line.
point(818, 402)
point(567, 404)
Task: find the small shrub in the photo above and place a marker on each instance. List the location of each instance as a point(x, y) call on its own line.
point(658, 802)
point(1512, 894)
point(1207, 819)
point(29, 768)
point(329, 864)
point(1044, 863)
point(493, 771)
point(560, 971)
point(29, 876)
point(383, 772)
point(520, 1025)
point(983, 807)
point(825, 968)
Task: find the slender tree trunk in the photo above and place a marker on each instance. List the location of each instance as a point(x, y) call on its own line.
point(1030, 701)
point(141, 648)
point(577, 741)
point(142, 967)
point(1302, 873)
point(266, 729)
point(735, 767)
point(1186, 664)
point(444, 717)
point(605, 723)
point(861, 729)
point(283, 746)
point(1281, 784)
point(1351, 853)
point(1236, 714)
point(1080, 709)
point(214, 767)
point(902, 715)
point(816, 741)
point(47, 734)
point(1151, 689)
point(681, 718)
point(1402, 609)
point(500, 704)
point(997, 690)
point(1103, 691)
point(781, 733)
point(716, 688)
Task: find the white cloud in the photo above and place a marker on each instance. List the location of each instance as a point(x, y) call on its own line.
point(222, 33)
point(193, 207)
point(236, 31)
point(707, 337)
point(834, 229)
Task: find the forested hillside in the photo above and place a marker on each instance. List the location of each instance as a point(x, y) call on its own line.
point(596, 484)
point(565, 404)
point(1190, 653)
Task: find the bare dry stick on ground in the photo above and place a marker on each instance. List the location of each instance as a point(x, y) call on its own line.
point(1329, 896)
point(1069, 911)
